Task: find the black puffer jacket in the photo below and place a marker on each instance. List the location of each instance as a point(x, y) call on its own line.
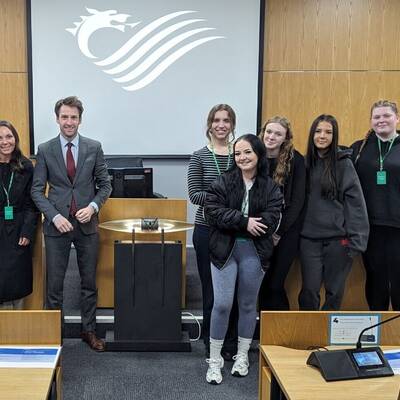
point(226, 220)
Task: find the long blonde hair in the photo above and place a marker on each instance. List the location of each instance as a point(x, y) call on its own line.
point(379, 103)
point(286, 151)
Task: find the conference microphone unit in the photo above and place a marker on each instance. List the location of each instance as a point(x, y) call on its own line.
point(358, 363)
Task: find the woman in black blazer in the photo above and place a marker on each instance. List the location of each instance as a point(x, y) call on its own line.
point(18, 220)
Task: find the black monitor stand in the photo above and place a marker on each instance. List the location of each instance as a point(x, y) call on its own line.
point(147, 297)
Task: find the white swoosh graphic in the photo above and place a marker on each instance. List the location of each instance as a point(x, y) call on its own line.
point(152, 58)
point(148, 45)
point(134, 40)
point(157, 71)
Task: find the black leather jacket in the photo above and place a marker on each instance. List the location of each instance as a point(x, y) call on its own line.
point(226, 220)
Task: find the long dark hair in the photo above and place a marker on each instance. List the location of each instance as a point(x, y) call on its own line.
point(328, 180)
point(16, 155)
point(234, 177)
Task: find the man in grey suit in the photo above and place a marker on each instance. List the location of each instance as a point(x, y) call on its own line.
point(73, 166)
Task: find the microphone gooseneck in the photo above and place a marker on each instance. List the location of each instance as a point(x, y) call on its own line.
point(359, 345)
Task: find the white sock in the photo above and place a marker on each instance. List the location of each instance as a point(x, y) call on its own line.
point(215, 348)
point(244, 345)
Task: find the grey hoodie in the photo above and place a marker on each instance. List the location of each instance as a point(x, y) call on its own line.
point(345, 217)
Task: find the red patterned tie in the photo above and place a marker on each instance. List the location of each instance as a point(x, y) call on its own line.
point(71, 175)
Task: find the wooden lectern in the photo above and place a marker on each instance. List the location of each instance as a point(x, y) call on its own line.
point(116, 209)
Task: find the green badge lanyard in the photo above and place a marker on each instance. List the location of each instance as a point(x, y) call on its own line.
point(381, 174)
point(216, 161)
point(8, 210)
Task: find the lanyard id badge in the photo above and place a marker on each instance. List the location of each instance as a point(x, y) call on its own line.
point(381, 177)
point(216, 161)
point(8, 213)
point(8, 210)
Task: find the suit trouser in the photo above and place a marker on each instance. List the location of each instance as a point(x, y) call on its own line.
point(201, 245)
point(382, 266)
point(272, 294)
point(57, 256)
point(327, 262)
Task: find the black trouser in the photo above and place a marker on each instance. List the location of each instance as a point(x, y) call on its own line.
point(272, 295)
point(327, 262)
point(382, 265)
point(201, 245)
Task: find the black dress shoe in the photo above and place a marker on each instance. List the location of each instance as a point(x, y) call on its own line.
point(93, 341)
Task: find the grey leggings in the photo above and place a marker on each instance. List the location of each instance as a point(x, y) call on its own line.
point(244, 267)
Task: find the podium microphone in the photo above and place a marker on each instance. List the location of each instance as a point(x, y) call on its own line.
point(359, 345)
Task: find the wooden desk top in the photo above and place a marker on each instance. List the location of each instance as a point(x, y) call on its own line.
point(25, 383)
point(302, 382)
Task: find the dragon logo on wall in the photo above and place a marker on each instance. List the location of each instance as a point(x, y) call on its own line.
point(151, 49)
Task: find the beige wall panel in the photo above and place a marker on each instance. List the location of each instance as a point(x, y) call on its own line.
point(347, 95)
point(332, 35)
point(14, 104)
point(30, 327)
point(299, 330)
point(281, 29)
point(13, 36)
point(389, 35)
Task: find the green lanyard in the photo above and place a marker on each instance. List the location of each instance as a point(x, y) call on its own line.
point(216, 161)
point(7, 192)
point(382, 158)
point(245, 203)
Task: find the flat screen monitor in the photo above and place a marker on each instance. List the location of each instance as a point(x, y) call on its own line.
point(123, 161)
point(131, 182)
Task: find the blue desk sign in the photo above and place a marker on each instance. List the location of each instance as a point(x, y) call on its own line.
point(29, 356)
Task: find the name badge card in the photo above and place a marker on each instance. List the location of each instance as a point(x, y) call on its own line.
point(381, 177)
point(8, 213)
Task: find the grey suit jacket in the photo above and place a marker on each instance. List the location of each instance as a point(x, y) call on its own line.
point(91, 183)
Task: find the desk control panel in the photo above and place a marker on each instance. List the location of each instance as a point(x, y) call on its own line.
point(336, 365)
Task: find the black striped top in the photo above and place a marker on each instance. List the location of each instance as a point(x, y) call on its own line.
point(202, 172)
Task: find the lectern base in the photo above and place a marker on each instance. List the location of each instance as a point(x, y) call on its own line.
point(147, 345)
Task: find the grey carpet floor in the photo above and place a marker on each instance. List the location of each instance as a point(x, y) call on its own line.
point(143, 376)
point(88, 375)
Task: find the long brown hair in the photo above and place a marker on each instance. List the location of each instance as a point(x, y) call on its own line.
point(16, 155)
point(379, 103)
point(286, 151)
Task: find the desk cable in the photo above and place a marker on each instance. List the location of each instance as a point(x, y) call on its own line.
point(198, 324)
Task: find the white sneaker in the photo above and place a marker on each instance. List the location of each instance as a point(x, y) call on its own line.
point(241, 365)
point(214, 375)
